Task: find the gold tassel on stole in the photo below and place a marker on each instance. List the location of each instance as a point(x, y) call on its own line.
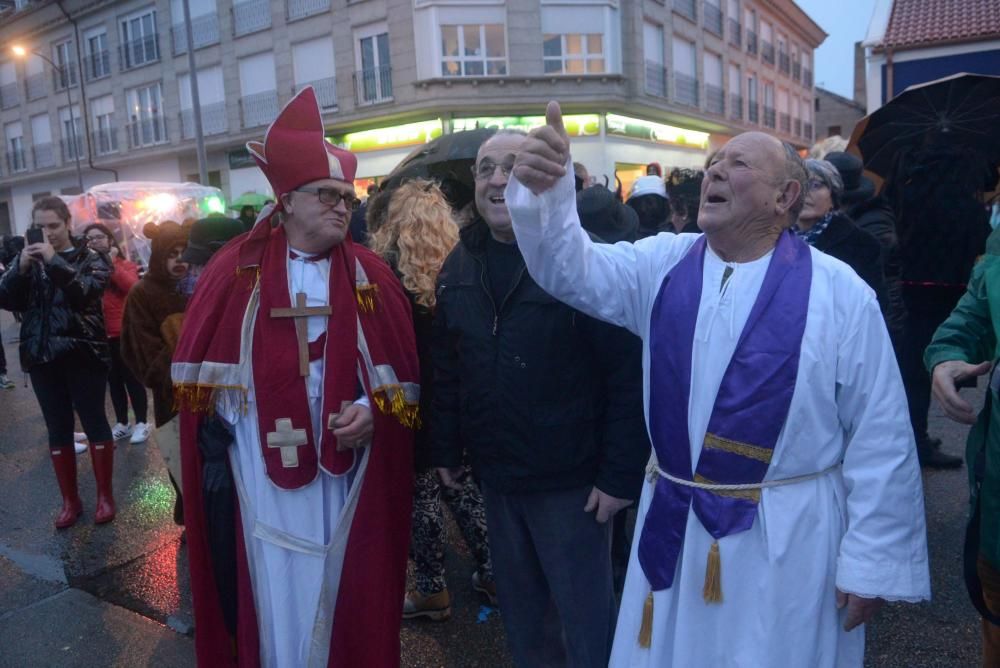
point(712, 592)
point(646, 628)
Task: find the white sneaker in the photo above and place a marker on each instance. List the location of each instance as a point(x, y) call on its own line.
point(141, 432)
point(120, 431)
point(79, 436)
point(80, 447)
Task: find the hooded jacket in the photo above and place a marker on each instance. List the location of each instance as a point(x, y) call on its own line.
point(60, 305)
point(146, 347)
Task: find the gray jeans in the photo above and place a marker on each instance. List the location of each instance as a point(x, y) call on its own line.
point(552, 564)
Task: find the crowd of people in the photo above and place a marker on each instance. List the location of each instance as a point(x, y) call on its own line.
point(731, 358)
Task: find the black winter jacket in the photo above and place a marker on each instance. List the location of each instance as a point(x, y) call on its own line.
point(543, 397)
point(843, 240)
point(875, 217)
point(60, 306)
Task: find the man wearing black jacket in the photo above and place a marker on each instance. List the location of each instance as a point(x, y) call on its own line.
point(548, 403)
point(64, 348)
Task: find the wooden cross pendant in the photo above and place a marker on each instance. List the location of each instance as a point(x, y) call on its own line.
point(299, 312)
point(288, 440)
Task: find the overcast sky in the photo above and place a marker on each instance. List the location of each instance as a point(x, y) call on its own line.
point(846, 22)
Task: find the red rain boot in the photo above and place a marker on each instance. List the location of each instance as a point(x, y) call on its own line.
point(64, 462)
point(102, 454)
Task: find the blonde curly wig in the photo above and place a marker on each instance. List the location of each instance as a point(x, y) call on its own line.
point(418, 234)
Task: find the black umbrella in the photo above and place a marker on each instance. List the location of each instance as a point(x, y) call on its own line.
point(962, 111)
point(448, 160)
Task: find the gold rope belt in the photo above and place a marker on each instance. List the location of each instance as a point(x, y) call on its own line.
point(654, 470)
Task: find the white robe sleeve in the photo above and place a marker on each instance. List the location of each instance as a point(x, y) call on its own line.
point(884, 551)
point(615, 283)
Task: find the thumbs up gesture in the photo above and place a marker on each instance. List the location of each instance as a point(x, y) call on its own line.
point(542, 159)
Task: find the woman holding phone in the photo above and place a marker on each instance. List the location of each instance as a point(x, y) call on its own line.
point(58, 286)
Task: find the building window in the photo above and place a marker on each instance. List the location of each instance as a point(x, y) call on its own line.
point(652, 46)
point(373, 83)
point(98, 61)
point(16, 160)
point(147, 123)
point(72, 133)
point(139, 40)
point(574, 54)
point(64, 75)
point(473, 50)
point(104, 136)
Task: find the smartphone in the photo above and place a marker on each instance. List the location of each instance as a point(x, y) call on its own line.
point(34, 235)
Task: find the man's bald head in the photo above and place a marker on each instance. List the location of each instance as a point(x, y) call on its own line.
point(752, 189)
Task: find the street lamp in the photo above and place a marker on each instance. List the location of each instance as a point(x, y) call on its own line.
point(21, 52)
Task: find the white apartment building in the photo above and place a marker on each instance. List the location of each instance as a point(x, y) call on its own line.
point(641, 81)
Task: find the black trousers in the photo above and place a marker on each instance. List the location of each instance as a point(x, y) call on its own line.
point(74, 381)
point(3, 359)
point(124, 387)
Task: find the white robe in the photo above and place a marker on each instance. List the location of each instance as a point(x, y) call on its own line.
point(289, 533)
point(859, 528)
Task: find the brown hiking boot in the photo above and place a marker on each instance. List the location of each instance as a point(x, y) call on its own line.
point(433, 606)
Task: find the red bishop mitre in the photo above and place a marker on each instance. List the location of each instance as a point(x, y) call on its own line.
point(295, 152)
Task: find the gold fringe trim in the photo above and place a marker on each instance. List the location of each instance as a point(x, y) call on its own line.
point(202, 398)
point(366, 294)
point(646, 628)
point(391, 400)
point(749, 494)
point(737, 448)
point(255, 269)
point(712, 591)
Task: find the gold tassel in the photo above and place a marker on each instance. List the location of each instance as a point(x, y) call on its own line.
point(391, 400)
point(366, 294)
point(646, 628)
point(712, 592)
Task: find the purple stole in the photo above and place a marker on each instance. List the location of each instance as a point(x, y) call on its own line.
point(749, 412)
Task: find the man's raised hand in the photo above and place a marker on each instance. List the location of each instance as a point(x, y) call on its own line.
point(542, 159)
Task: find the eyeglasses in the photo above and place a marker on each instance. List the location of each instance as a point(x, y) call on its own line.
point(96, 237)
point(333, 197)
point(487, 168)
point(816, 184)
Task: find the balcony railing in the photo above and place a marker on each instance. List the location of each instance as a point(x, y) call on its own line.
point(373, 86)
point(71, 148)
point(784, 62)
point(685, 89)
point(807, 77)
point(204, 32)
point(251, 16)
point(767, 52)
point(147, 131)
point(686, 8)
point(213, 120)
point(736, 107)
point(65, 77)
point(97, 65)
point(753, 112)
point(713, 18)
point(751, 42)
point(299, 9)
point(715, 99)
point(769, 117)
point(104, 142)
point(797, 71)
point(259, 108)
point(326, 91)
point(34, 86)
point(139, 52)
point(10, 96)
point(784, 122)
point(43, 156)
point(735, 33)
point(808, 134)
point(797, 125)
point(17, 161)
point(656, 79)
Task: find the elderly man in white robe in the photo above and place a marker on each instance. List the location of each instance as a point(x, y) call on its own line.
point(784, 503)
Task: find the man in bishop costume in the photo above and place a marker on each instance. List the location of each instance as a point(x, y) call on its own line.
point(296, 372)
point(784, 502)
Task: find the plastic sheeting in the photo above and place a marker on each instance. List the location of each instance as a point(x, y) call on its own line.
point(127, 206)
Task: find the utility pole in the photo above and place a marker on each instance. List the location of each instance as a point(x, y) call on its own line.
point(195, 101)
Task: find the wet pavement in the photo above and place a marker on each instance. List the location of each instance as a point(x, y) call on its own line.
point(118, 594)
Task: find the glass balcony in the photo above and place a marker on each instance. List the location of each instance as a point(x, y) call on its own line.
point(213, 120)
point(373, 86)
point(17, 161)
point(715, 99)
point(686, 8)
point(147, 131)
point(34, 86)
point(656, 79)
point(10, 96)
point(204, 32)
point(259, 109)
point(251, 16)
point(104, 142)
point(97, 65)
point(735, 33)
point(713, 18)
point(43, 155)
point(326, 91)
point(139, 52)
point(299, 9)
point(736, 107)
point(685, 89)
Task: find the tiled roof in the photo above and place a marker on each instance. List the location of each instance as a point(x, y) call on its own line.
point(919, 22)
